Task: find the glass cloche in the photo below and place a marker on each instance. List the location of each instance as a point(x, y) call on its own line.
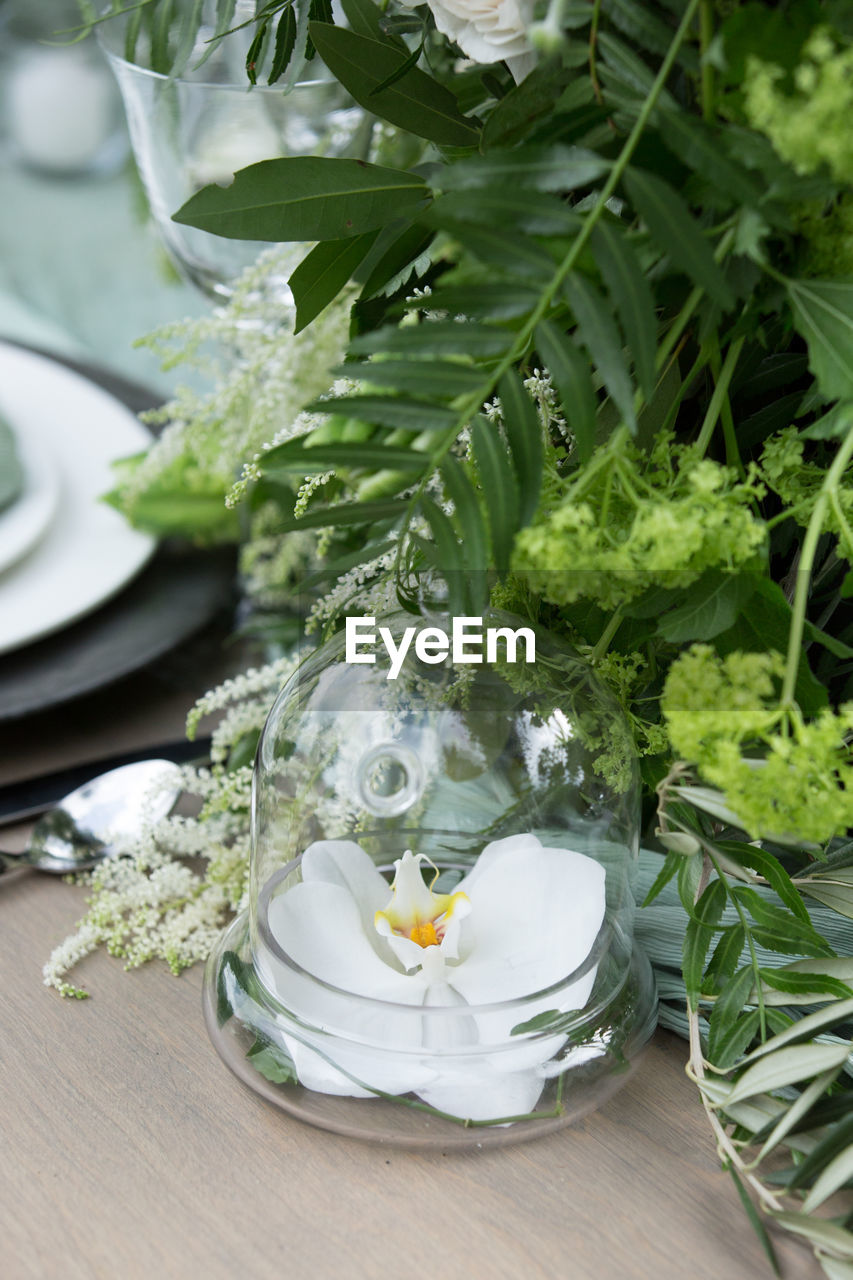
point(438, 941)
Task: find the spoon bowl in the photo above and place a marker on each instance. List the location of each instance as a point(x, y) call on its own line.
point(83, 828)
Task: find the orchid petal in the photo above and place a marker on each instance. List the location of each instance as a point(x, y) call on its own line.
point(535, 915)
point(478, 1092)
point(345, 863)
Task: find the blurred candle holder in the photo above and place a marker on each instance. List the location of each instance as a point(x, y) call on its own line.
point(200, 126)
point(61, 108)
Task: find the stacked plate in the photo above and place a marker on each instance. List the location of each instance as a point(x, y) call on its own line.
point(66, 556)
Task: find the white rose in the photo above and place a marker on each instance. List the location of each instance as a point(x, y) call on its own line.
point(487, 30)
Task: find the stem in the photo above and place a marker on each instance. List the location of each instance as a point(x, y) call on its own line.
point(606, 636)
point(733, 458)
point(721, 391)
point(593, 40)
point(706, 35)
point(804, 572)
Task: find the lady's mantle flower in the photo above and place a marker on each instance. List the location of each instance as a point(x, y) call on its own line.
point(521, 922)
point(487, 30)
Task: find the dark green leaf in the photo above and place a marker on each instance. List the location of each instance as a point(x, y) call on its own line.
point(272, 1062)
point(823, 314)
point(294, 457)
point(772, 871)
point(285, 42)
point(728, 1032)
point(839, 1137)
point(548, 168)
point(805, 983)
point(439, 378)
point(321, 275)
point(396, 260)
point(703, 150)
point(697, 937)
point(525, 104)
point(468, 516)
point(304, 198)
point(777, 922)
point(365, 18)
point(712, 605)
point(670, 866)
point(725, 957)
point(598, 332)
point(636, 21)
point(483, 301)
point(524, 433)
point(449, 551)
point(675, 233)
point(434, 337)
point(632, 297)
point(533, 212)
point(755, 1221)
point(416, 102)
point(389, 411)
point(499, 489)
point(506, 251)
point(571, 375)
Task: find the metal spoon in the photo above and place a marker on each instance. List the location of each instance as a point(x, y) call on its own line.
point(76, 834)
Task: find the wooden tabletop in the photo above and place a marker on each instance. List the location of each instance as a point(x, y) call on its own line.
point(129, 1151)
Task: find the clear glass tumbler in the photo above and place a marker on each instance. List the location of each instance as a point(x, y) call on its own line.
point(200, 126)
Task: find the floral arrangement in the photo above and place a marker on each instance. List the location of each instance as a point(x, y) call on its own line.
point(581, 344)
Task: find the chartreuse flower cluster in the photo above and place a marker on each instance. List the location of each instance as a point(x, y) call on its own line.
point(626, 521)
point(799, 483)
point(804, 126)
point(780, 774)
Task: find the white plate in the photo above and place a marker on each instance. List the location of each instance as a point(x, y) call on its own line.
point(24, 521)
point(88, 553)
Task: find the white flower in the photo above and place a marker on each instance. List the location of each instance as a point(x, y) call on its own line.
point(505, 944)
point(487, 30)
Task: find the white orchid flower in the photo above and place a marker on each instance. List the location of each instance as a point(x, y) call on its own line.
point(520, 923)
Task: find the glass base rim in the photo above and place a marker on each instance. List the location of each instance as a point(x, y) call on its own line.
point(385, 1121)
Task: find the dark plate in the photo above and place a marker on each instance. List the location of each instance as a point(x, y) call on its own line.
point(178, 592)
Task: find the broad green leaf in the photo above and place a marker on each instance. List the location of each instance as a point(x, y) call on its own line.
point(813, 988)
point(434, 337)
point(598, 333)
point(389, 411)
point(321, 275)
point(533, 212)
point(526, 103)
point(543, 168)
point(787, 1066)
point(838, 896)
point(415, 102)
point(676, 234)
point(571, 376)
point(499, 489)
point(734, 1037)
point(712, 605)
point(823, 314)
point(524, 434)
point(365, 17)
point(632, 297)
point(346, 513)
point(468, 516)
point(304, 198)
point(443, 379)
point(635, 20)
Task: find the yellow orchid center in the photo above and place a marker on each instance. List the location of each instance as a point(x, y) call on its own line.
point(415, 912)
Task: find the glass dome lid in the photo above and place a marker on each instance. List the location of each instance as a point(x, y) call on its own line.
point(438, 940)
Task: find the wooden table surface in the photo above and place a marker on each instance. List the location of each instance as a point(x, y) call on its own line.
point(129, 1151)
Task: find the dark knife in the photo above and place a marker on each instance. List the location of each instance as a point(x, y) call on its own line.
point(20, 801)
